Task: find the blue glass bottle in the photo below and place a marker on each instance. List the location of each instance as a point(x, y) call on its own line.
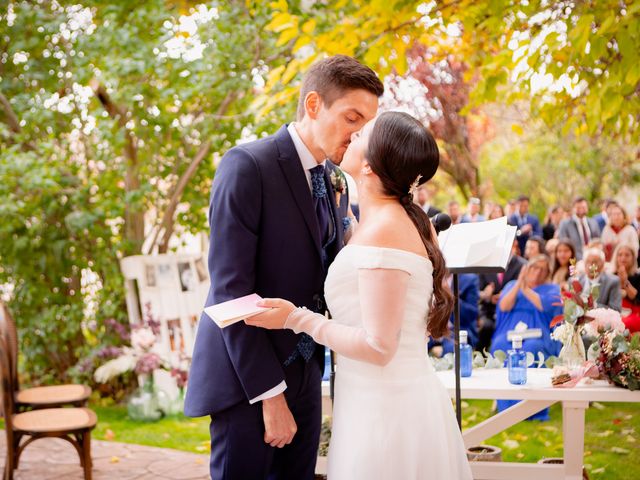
point(465, 355)
point(517, 362)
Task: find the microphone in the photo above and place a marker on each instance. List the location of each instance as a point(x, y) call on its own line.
point(441, 222)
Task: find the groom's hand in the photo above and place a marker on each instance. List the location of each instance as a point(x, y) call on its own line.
point(279, 425)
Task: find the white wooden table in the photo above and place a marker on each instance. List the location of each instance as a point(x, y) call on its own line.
point(535, 395)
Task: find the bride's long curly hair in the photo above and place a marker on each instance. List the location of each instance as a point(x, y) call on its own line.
point(400, 148)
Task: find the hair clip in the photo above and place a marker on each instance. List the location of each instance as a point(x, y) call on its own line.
point(414, 185)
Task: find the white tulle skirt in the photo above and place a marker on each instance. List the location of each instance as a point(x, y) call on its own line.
point(394, 426)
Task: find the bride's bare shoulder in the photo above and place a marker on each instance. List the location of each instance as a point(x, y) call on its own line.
point(388, 232)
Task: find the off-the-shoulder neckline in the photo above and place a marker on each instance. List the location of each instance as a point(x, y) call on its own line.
point(407, 252)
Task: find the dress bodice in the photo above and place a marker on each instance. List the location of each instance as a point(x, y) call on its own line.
point(344, 300)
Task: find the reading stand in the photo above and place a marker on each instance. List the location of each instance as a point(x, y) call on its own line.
point(483, 247)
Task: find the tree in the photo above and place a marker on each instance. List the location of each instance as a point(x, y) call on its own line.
point(576, 63)
point(438, 104)
point(109, 118)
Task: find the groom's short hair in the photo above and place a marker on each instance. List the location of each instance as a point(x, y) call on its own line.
point(334, 76)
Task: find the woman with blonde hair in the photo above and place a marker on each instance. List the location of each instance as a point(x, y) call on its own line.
point(533, 300)
point(624, 264)
point(617, 231)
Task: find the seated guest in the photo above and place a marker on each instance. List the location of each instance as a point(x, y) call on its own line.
point(527, 223)
point(534, 247)
point(609, 296)
point(565, 252)
point(579, 229)
point(423, 199)
point(468, 286)
point(602, 218)
point(473, 214)
point(625, 265)
point(453, 210)
point(496, 212)
point(618, 230)
point(491, 284)
point(531, 299)
point(550, 247)
point(510, 208)
point(552, 222)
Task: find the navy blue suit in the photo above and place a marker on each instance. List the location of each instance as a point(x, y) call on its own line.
point(536, 230)
point(265, 239)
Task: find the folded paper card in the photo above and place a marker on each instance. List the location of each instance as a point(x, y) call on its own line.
point(228, 313)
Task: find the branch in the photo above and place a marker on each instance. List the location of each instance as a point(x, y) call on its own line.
point(11, 119)
point(114, 110)
point(168, 217)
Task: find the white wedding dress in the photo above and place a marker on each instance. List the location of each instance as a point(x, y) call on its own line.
point(393, 419)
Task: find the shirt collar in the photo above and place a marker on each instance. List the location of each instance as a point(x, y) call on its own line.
point(306, 157)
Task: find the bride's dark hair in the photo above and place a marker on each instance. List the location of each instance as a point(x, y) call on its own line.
point(400, 148)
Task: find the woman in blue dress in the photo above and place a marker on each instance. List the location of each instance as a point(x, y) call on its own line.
point(533, 300)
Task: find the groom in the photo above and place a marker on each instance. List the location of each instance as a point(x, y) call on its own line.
point(276, 225)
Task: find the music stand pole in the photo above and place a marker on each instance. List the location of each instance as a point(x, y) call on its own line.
point(456, 343)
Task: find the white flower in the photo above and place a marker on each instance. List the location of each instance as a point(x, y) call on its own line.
point(562, 333)
point(113, 368)
point(142, 338)
point(603, 319)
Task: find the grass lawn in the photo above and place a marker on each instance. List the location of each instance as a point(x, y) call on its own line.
point(611, 438)
point(611, 443)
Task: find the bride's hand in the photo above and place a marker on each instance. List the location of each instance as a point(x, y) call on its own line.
point(275, 318)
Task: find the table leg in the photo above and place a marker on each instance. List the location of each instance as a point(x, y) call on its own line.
point(573, 436)
point(501, 421)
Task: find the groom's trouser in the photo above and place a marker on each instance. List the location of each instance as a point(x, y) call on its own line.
point(238, 450)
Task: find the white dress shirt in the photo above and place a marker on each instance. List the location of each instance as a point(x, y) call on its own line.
point(308, 162)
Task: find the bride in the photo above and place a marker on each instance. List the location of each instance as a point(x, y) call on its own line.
point(392, 417)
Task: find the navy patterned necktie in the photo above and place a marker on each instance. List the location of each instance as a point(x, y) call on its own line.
point(306, 347)
point(321, 202)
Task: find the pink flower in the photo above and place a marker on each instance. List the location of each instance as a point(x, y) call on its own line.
point(142, 338)
point(604, 319)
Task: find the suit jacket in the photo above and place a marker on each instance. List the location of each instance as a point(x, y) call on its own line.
point(568, 230)
point(265, 238)
point(610, 295)
point(516, 262)
point(532, 220)
point(431, 211)
point(600, 220)
point(468, 301)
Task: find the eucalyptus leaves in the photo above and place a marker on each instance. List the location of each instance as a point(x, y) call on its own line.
point(496, 360)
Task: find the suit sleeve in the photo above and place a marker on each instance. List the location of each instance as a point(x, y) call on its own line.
point(563, 233)
point(615, 298)
point(469, 297)
point(537, 230)
point(235, 213)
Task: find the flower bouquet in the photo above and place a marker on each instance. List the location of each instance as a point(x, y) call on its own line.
point(618, 357)
point(576, 314)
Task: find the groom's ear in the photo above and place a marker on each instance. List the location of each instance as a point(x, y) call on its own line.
point(312, 103)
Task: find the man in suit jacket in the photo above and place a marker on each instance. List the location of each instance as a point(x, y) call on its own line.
point(527, 223)
point(277, 222)
point(491, 285)
point(579, 229)
point(468, 301)
point(423, 199)
point(610, 295)
point(602, 218)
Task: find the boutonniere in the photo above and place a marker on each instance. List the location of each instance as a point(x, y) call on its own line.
point(339, 182)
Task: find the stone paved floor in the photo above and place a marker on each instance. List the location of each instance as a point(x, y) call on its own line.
point(55, 459)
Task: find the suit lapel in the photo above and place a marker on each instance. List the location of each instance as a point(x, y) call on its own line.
point(293, 172)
